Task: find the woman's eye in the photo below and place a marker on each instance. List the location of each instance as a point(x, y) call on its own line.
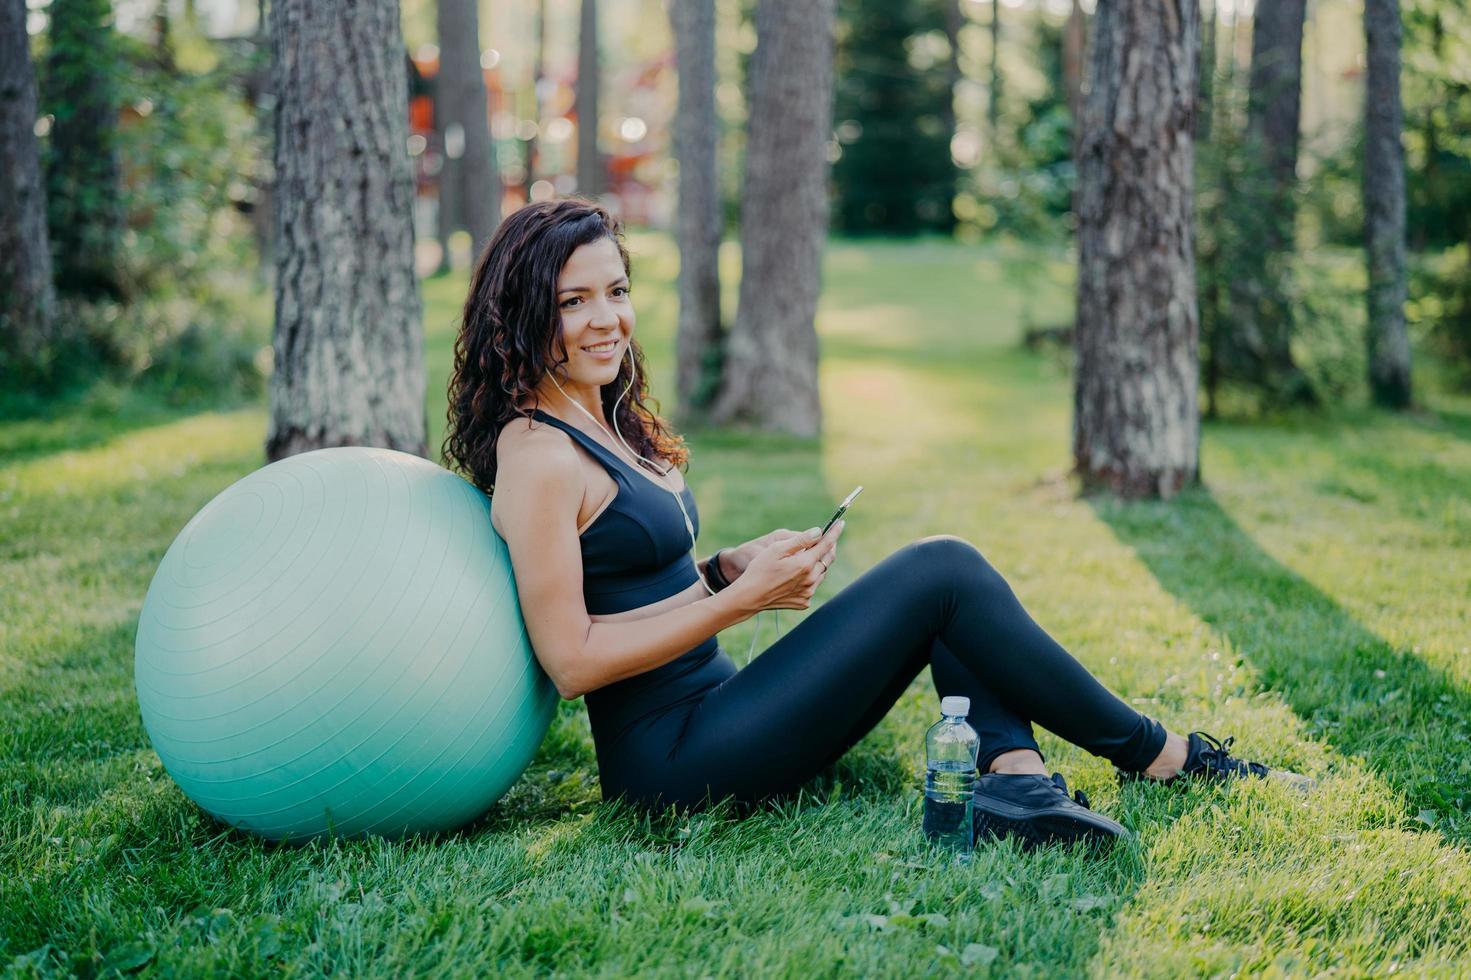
point(622, 290)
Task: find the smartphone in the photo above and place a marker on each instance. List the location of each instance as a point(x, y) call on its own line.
point(842, 508)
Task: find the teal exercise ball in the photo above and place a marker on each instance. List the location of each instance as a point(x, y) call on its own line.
point(334, 645)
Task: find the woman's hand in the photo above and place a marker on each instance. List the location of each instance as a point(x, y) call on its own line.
point(786, 570)
point(735, 560)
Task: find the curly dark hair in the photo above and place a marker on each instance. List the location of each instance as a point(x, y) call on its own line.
point(510, 327)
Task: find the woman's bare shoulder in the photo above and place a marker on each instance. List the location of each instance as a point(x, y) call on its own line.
point(522, 435)
point(519, 431)
point(530, 457)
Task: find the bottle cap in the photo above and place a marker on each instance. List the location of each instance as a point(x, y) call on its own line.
point(955, 704)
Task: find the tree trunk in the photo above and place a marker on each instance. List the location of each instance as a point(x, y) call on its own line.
point(462, 104)
point(700, 339)
point(257, 87)
point(349, 347)
point(1261, 321)
point(770, 374)
point(163, 44)
point(1384, 208)
point(27, 302)
point(954, 21)
point(448, 209)
point(589, 163)
point(1074, 49)
point(993, 99)
point(538, 70)
point(1274, 107)
point(1136, 425)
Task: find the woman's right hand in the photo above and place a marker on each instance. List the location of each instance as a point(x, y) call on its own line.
point(786, 573)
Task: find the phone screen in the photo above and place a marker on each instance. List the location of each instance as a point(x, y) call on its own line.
point(842, 508)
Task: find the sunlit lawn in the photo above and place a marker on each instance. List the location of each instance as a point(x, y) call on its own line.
point(1314, 600)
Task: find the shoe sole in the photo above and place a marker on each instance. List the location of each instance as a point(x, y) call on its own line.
point(1037, 829)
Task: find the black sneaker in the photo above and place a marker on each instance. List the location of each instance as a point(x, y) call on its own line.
point(1210, 758)
point(1037, 810)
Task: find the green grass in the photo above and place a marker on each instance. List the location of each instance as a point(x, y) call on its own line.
point(1313, 600)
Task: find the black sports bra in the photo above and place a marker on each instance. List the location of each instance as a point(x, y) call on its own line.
point(637, 551)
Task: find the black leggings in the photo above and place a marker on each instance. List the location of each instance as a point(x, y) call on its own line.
point(766, 729)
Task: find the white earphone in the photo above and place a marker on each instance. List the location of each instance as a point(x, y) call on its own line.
point(689, 525)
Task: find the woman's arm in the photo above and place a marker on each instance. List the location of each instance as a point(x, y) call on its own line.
point(614, 650)
point(695, 592)
point(620, 645)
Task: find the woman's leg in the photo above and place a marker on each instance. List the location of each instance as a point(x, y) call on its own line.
point(1000, 729)
point(809, 697)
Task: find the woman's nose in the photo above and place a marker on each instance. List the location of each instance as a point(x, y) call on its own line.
point(603, 312)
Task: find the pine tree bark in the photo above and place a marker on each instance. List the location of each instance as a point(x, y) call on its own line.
point(462, 102)
point(348, 342)
point(1274, 106)
point(1265, 211)
point(700, 338)
point(1136, 423)
point(770, 374)
point(589, 161)
point(1384, 208)
point(27, 300)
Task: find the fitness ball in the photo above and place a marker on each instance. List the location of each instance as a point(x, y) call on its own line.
point(334, 645)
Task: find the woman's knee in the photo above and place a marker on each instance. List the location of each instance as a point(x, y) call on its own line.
point(948, 548)
point(946, 560)
point(929, 573)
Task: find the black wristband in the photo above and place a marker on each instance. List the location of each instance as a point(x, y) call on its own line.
point(713, 574)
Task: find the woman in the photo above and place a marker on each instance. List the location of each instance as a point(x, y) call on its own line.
point(601, 526)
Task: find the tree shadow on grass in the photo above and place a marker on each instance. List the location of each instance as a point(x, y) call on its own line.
point(1409, 721)
point(1442, 419)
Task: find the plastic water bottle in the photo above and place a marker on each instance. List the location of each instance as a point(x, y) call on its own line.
point(951, 746)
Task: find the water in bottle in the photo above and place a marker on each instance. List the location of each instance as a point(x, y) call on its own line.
point(950, 777)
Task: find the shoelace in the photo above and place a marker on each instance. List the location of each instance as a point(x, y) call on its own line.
point(1218, 758)
point(1078, 796)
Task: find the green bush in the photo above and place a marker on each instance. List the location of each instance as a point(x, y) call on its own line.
point(1023, 185)
point(187, 316)
point(1439, 310)
point(1330, 315)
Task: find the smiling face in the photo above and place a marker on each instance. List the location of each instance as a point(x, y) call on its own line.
point(593, 300)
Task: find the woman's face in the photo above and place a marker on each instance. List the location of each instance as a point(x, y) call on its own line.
point(592, 297)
